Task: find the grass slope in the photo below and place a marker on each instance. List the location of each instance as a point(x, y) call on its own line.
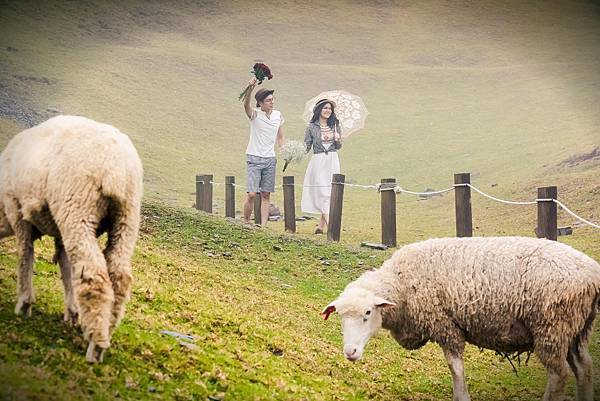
point(251, 298)
point(505, 91)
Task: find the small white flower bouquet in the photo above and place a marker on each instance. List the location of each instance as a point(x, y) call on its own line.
point(292, 152)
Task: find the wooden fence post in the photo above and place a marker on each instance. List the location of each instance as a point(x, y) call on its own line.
point(388, 212)
point(335, 207)
point(462, 198)
point(207, 197)
point(204, 192)
point(546, 214)
point(230, 196)
point(289, 204)
point(257, 212)
point(199, 191)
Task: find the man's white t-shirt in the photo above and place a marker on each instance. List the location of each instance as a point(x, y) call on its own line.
point(263, 133)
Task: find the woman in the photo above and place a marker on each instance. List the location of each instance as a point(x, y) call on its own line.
point(323, 134)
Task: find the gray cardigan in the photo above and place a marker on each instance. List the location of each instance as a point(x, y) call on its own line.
point(312, 137)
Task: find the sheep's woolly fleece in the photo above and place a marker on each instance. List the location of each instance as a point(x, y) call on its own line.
point(74, 178)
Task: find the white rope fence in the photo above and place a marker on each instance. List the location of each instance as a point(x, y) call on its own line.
point(497, 199)
point(559, 203)
point(378, 187)
point(566, 209)
point(429, 193)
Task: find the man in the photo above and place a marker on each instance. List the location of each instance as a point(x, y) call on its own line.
point(265, 130)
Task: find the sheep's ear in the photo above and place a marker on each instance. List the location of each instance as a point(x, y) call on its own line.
point(329, 309)
point(383, 303)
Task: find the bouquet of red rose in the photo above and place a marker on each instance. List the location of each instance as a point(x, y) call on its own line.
point(261, 72)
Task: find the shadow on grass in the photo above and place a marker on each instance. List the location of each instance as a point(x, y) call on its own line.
point(39, 333)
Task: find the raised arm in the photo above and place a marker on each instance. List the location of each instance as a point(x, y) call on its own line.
point(247, 106)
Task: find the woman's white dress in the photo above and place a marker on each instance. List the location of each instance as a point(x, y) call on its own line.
point(316, 192)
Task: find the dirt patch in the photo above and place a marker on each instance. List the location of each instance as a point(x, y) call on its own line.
point(16, 109)
point(19, 108)
point(38, 80)
point(576, 160)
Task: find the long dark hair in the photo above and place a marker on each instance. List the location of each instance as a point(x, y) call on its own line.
point(332, 121)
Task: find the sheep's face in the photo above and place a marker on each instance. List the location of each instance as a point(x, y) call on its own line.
point(361, 319)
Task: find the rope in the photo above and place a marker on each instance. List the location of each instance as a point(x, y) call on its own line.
point(329, 186)
point(574, 215)
point(494, 198)
point(566, 209)
point(376, 186)
point(237, 185)
point(399, 189)
point(442, 191)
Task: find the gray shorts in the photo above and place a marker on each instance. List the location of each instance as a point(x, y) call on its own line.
point(261, 173)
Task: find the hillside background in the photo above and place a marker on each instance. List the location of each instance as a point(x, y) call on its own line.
point(508, 91)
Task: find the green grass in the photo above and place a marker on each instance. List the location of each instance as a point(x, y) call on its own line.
point(506, 92)
point(251, 298)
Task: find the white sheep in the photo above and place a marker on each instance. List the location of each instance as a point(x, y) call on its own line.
point(509, 294)
point(73, 178)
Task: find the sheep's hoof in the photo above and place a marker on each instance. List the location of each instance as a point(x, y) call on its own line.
point(71, 317)
point(23, 308)
point(95, 353)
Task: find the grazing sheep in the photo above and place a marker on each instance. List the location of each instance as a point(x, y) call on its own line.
point(74, 179)
point(510, 294)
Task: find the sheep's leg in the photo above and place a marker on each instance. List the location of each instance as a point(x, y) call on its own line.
point(557, 381)
point(456, 365)
point(580, 362)
point(70, 314)
point(25, 293)
point(119, 250)
point(557, 372)
point(5, 227)
point(91, 284)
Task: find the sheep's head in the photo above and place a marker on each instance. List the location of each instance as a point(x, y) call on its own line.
point(360, 311)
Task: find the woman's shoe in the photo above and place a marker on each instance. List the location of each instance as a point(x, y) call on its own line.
point(319, 231)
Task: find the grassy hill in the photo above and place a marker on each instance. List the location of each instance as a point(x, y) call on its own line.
point(508, 92)
point(251, 300)
point(504, 91)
